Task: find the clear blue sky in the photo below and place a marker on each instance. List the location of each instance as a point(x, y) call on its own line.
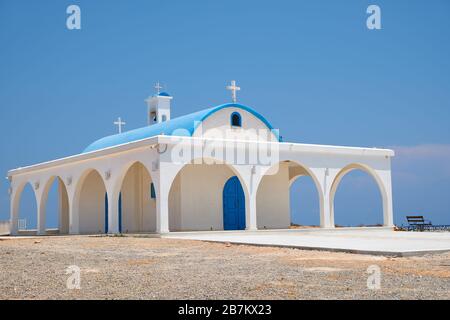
point(311, 67)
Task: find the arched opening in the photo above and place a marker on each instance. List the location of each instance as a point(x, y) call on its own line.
point(236, 119)
point(196, 197)
point(282, 201)
point(56, 207)
point(304, 202)
point(356, 198)
point(137, 202)
point(92, 207)
point(27, 210)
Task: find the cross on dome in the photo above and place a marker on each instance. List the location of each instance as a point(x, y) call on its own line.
point(233, 88)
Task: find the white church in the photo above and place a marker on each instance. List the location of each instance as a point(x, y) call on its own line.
point(221, 168)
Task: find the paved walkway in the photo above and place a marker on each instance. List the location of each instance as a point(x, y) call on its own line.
point(378, 241)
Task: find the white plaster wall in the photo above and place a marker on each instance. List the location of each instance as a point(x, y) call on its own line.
point(149, 204)
point(138, 209)
point(175, 205)
point(324, 162)
point(92, 205)
point(220, 123)
point(272, 200)
point(63, 207)
point(4, 227)
point(201, 191)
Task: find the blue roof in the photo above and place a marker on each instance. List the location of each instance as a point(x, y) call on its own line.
point(164, 94)
point(181, 126)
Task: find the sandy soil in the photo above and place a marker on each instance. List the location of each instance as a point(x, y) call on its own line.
point(146, 268)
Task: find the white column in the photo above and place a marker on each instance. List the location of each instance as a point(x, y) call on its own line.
point(40, 221)
point(63, 209)
point(324, 183)
point(250, 178)
point(113, 212)
point(162, 205)
point(40, 206)
point(388, 211)
point(251, 213)
point(327, 212)
point(74, 224)
point(14, 212)
point(74, 220)
point(164, 176)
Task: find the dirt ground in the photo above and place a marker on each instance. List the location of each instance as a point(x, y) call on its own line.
point(150, 268)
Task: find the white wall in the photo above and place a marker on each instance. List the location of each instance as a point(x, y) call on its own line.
point(196, 199)
point(63, 206)
point(219, 122)
point(138, 209)
point(92, 205)
point(200, 190)
point(175, 205)
point(323, 162)
point(4, 227)
point(272, 200)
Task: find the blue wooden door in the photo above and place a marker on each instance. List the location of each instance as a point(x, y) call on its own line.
point(233, 205)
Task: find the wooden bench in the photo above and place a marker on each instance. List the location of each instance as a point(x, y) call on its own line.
point(418, 222)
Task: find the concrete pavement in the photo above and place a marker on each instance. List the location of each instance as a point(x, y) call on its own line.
point(378, 241)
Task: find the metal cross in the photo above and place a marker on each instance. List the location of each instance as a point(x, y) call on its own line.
point(119, 123)
point(233, 88)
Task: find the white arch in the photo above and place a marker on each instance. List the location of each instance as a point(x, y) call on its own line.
point(233, 168)
point(15, 204)
point(211, 160)
point(309, 173)
point(372, 173)
point(120, 180)
point(74, 219)
point(63, 212)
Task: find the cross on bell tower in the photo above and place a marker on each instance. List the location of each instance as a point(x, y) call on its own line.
point(158, 106)
point(158, 87)
point(233, 88)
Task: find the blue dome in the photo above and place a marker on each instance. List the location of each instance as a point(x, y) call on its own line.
point(181, 126)
point(164, 94)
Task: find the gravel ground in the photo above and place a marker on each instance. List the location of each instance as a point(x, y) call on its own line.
point(149, 268)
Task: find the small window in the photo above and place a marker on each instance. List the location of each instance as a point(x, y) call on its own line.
point(152, 191)
point(236, 120)
point(164, 118)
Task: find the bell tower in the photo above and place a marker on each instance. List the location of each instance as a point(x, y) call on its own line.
point(158, 106)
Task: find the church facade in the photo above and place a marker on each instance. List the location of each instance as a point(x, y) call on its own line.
point(222, 168)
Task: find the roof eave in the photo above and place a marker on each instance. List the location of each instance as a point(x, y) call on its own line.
point(163, 139)
point(86, 156)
